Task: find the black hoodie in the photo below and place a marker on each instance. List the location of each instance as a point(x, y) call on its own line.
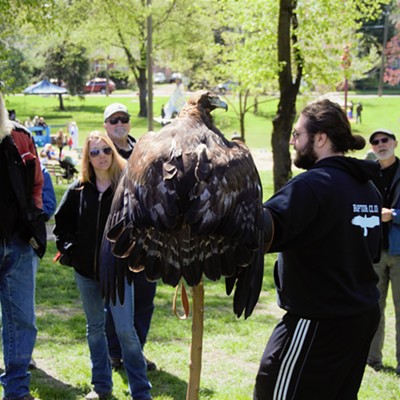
point(328, 232)
point(80, 221)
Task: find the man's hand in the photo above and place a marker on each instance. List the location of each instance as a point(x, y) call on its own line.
point(387, 214)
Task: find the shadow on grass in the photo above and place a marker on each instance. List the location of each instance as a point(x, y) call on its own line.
point(47, 387)
point(165, 384)
point(388, 370)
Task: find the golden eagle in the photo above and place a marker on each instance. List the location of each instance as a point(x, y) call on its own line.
point(188, 203)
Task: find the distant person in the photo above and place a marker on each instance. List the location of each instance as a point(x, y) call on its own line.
point(384, 144)
point(74, 134)
point(60, 142)
point(12, 115)
point(327, 232)
point(70, 142)
point(48, 195)
point(351, 110)
point(176, 101)
point(48, 153)
point(28, 123)
point(117, 124)
point(42, 123)
point(359, 109)
point(22, 233)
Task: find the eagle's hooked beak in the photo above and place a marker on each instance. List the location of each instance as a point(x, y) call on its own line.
point(218, 103)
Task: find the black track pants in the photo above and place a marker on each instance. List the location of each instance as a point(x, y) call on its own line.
point(316, 359)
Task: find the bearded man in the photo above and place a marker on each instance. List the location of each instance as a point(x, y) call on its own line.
point(327, 232)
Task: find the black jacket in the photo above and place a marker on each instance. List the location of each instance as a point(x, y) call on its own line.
point(79, 225)
point(21, 180)
point(328, 232)
point(126, 153)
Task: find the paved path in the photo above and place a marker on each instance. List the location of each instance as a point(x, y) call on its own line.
point(49, 230)
point(262, 159)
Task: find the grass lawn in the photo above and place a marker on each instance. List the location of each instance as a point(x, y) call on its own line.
point(232, 347)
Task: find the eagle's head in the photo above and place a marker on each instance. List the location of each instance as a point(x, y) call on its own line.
point(199, 106)
point(206, 100)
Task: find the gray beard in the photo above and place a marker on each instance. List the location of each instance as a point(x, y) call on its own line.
point(120, 132)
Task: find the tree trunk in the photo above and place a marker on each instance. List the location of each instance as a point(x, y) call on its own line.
point(255, 108)
point(242, 126)
point(289, 89)
point(61, 100)
point(243, 97)
point(142, 85)
point(282, 125)
point(138, 69)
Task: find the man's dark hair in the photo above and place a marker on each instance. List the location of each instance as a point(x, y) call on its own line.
point(328, 117)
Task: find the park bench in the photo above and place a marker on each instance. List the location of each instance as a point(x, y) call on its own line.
point(55, 170)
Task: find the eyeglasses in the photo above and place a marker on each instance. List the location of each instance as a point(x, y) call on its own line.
point(114, 121)
point(377, 141)
point(295, 134)
point(95, 152)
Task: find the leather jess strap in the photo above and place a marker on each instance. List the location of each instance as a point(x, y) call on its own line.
point(184, 299)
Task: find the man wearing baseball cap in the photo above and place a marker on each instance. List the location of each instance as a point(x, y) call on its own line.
point(384, 143)
point(117, 124)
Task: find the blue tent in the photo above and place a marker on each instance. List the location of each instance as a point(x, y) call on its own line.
point(42, 135)
point(45, 87)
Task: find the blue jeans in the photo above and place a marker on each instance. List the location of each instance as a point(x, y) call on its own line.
point(134, 363)
point(388, 270)
point(17, 297)
point(144, 294)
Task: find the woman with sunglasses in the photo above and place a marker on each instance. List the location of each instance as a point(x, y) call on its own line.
point(79, 226)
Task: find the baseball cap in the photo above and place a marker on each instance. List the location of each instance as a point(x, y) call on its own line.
point(383, 132)
point(114, 108)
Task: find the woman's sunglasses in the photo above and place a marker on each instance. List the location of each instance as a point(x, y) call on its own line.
point(114, 121)
point(377, 141)
point(95, 152)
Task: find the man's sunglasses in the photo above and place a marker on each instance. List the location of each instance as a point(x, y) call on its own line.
point(96, 152)
point(377, 141)
point(114, 121)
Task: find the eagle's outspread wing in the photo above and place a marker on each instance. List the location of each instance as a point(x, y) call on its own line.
point(189, 202)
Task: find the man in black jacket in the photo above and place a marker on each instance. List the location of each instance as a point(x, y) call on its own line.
point(117, 125)
point(383, 144)
point(327, 233)
point(22, 232)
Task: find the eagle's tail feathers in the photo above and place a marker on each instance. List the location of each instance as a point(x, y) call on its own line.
point(212, 264)
point(193, 272)
point(152, 264)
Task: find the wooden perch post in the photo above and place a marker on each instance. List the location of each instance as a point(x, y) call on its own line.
point(197, 342)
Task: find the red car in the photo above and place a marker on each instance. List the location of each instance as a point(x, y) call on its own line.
point(98, 85)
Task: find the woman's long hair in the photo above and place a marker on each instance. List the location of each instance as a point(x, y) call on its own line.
point(117, 163)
